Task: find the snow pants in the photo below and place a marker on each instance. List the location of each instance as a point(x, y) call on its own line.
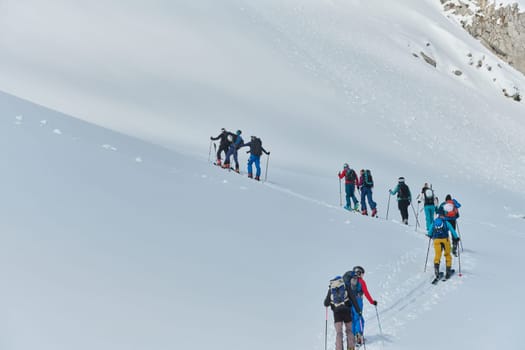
point(442, 244)
point(350, 194)
point(232, 151)
point(430, 210)
point(358, 322)
point(257, 161)
point(222, 148)
point(366, 193)
point(403, 204)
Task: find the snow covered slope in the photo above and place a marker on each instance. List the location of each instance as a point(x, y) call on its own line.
point(173, 72)
point(113, 243)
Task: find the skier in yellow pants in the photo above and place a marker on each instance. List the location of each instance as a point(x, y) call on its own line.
point(440, 233)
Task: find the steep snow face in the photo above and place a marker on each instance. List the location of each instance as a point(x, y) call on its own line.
point(270, 68)
point(112, 243)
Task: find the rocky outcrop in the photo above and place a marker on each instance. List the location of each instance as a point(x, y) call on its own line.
point(501, 29)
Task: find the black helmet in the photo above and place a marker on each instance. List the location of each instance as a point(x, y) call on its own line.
point(238, 132)
point(223, 129)
point(359, 270)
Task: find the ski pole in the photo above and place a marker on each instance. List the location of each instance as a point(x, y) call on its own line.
point(209, 153)
point(379, 323)
point(388, 206)
point(340, 195)
point(414, 210)
point(459, 235)
point(266, 171)
point(428, 250)
point(326, 331)
point(362, 331)
point(417, 216)
point(459, 260)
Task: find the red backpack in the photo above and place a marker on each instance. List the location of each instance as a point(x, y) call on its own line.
point(451, 211)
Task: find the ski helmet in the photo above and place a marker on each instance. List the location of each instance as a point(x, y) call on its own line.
point(223, 129)
point(438, 223)
point(238, 132)
point(359, 270)
point(401, 179)
point(345, 165)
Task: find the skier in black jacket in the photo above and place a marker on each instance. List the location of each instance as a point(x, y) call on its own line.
point(256, 150)
point(343, 315)
point(403, 198)
point(224, 143)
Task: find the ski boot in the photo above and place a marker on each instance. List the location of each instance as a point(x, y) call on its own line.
point(218, 162)
point(250, 175)
point(359, 339)
point(436, 270)
point(257, 178)
point(356, 207)
point(237, 170)
point(226, 165)
point(405, 221)
point(364, 212)
point(347, 207)
point(374, 212)
point(448, 273)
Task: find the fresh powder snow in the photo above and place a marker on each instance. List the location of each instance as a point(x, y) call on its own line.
point(119, 233)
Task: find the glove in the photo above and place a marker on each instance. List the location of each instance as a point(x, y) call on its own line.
point(418, 202)
point(211, 137)
point(455, 240)
point(375, 303)
point(247, 151)
point(268, 153)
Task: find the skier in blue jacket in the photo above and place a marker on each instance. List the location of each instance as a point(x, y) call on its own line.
point(440, 234)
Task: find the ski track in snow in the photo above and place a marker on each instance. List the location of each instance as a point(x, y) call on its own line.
point(404, 294)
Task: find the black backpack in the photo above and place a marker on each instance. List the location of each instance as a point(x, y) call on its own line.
point(367, 179)
point(429, 196)
point(256, 148)
point(404, 192)
point(350, 176)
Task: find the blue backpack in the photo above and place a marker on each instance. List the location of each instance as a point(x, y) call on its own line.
point(338, 293)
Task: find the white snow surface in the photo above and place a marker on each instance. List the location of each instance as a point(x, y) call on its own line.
point(117, 233)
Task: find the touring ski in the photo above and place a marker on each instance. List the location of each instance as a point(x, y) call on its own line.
point(444, 278)
point(436, 279)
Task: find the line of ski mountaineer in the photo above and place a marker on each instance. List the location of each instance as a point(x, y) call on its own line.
point(230, 143)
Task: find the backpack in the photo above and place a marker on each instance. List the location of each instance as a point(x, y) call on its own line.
point(451, 211)
point(439, 228)
point(367, 179)
point(404, 192)
point(256, 148)
point(338, 294)
point(352, 282)
point(350, 176)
